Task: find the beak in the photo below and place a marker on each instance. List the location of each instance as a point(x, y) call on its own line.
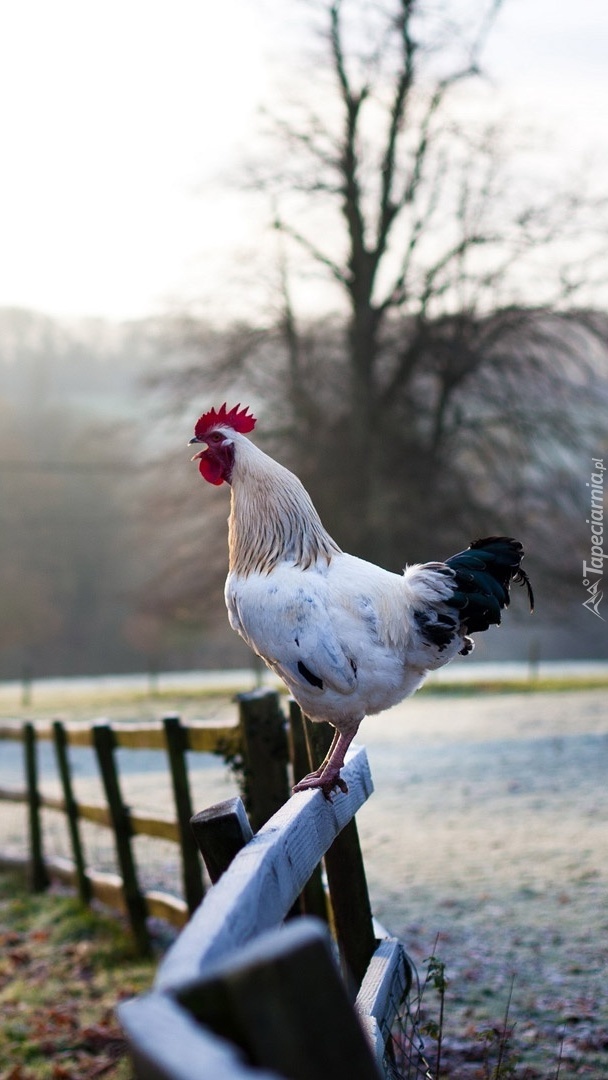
point(194, 439)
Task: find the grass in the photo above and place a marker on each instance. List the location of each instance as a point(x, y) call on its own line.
point(515, 686)
point(207, 703)
point(63, 968)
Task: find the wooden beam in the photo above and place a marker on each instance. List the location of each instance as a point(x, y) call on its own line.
point(220, 833)
point(166, 1043)
point(13, 795)
point(282, 1000)
point(386, 984)
point(263, 881)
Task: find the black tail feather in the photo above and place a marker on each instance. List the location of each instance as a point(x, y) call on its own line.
point(483, 576)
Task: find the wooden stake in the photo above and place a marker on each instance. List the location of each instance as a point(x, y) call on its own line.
point(103, 739)
point(265, 755)
point(221, 832)
point(39, 878)
point(176, 737)
point(71, 810)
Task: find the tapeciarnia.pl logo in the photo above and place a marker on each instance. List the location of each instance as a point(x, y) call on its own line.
point(593, 571)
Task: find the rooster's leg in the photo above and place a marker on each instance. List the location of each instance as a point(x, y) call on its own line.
point(326, 759)
point(327, 776)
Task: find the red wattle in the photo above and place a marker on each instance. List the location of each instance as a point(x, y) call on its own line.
point(210, 469)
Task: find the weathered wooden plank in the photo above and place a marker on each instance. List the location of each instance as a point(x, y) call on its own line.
point(221, 832)
point(39, 876)
point(16, 795)
point(170, 908)
point(108, 889)
point(214, 738)
point(383, 990)
point(164, 828)
point(176, 741)
point(12, 731)
point(283, 1001)
point(167, 1044)
point(79, 732)
point(351, 911)
point(263, 881)
point(203, 737)
point(121, 823)
point(96, 812)
point(206, 736)
point(79, 736)
point(148, 825)
point(105, 887)
point(138, 737)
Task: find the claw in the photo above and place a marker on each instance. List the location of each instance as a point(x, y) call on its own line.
point(325, 781)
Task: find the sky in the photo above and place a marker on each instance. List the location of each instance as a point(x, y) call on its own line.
point(120, 121)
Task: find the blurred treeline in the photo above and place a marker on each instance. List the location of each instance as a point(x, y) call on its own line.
point(113, 550)
point(423, 339)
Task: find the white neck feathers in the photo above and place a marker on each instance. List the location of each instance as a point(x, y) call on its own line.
point(272, 517)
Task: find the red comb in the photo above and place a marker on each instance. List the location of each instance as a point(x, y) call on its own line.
point(239, 421)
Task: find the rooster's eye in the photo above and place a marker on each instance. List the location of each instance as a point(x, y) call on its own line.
point(215, 437)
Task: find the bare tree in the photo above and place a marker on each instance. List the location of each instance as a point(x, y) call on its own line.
point(451, 280)
point(455, 385)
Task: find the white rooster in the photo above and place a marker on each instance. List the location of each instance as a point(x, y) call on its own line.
point(347, 637)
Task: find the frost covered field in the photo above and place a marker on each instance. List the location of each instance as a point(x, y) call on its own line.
point(486, 844)
point(489, 828)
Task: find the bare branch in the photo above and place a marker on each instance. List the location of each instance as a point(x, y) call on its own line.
point(311, 249)
point(388, 207)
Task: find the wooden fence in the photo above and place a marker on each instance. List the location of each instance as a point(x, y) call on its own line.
point(242, 996)
point(257, 744)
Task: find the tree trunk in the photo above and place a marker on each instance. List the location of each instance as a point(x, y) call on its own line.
point(363, 347)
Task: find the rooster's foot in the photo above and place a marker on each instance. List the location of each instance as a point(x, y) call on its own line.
point(326, 779)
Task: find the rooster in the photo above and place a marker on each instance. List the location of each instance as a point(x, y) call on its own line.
point(347, 637)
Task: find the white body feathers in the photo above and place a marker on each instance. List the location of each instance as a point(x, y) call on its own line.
point(341, 632)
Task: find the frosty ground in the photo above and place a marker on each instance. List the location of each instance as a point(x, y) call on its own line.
point(485, 845)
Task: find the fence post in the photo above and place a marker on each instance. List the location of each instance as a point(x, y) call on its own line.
point(104, 742)
point(39, 878)
point(266, 784)
point(314, 899)
point(221, 832)
point(350, 904)
point(282, 1001)
point(71, 810)
point(177, 744)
